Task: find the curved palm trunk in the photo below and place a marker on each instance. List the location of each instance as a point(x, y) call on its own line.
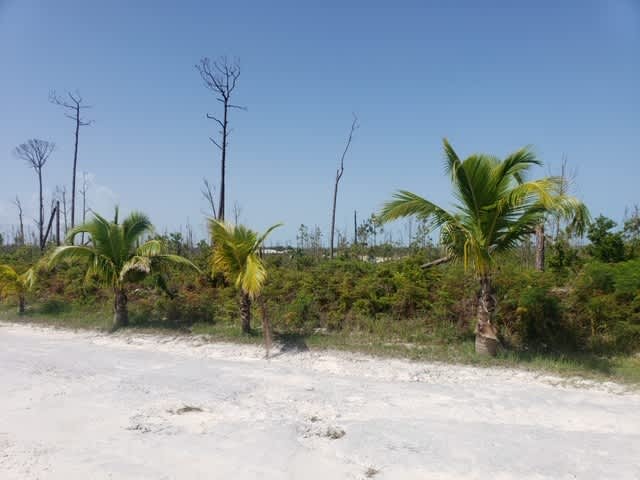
point(120, 310)
point(245, 312)
point(21, 303)
point(486, 333)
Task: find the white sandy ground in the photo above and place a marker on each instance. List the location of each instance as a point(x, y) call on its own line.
point(94, 406)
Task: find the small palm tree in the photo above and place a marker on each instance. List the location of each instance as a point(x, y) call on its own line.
point(236, 255)
point(12, 283)
point(116, 258)
point(496, 208)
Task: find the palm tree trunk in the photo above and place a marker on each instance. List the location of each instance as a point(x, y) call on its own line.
point(120, 310)
point(245, 312)
point(21, 303)
point(540, 247)
point(486, 333)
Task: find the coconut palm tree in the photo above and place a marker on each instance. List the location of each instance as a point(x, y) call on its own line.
point(116, 258)
point(236, 255)
point(12, 283)
point(496, 208)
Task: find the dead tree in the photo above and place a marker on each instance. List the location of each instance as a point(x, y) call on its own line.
point(20, 236)
point(237, 211)
point(208, 193)
point(35, 153)
point(221, 77)
point(46, 234)
point(65, 212)
point(74, 105)
point(58, 223)
point(60, 195)
point(339, 172)
point(355, 227)
point(83, 192)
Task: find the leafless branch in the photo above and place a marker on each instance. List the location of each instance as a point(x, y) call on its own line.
point(339, 172)
point(35, 152)
point(215, 143)
point(74, 104)
point(208, 194)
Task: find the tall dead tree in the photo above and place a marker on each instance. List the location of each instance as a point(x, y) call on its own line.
point(73, 105)
point(221, 77)
point(35, 153)
point(339, 172)
point(83, 192)
point(20, 236)
point(355, 227)
point(58, 223)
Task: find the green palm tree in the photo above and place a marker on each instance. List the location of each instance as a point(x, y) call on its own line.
point(496, 208)
point(116, 258)
point(13, 283)
point(236, 254)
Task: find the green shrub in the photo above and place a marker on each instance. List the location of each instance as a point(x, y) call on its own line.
point(54, 306)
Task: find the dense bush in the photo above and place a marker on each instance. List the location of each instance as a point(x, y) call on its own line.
point(587, 305)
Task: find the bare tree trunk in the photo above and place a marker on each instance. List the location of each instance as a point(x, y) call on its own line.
point(355, 227)
point(223, 166)
point(75, 166)
point(339, 172)
point(333, 211)
point(84, 203)
point(486, 333)
point(41, 213)
point(540, 247)
point(436, 262)
point(58, 223)
point(120, 310)
point(65, 215)
point(245, 312)
point(49, 224)
point(237, 211)
point(20, 239)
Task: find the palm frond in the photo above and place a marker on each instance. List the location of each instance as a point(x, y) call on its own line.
point(134, 226)
point(253, 277)
point(70, 253)
point(405, 204)
point(264, 236)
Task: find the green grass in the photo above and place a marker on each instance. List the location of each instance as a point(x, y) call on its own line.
point(409, 340)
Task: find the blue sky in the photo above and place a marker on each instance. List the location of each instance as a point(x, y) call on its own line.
point(489, 75)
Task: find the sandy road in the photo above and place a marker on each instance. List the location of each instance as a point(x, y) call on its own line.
point(92, 406)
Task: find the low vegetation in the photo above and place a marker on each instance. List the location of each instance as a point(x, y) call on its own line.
point(577, 312)
point(581, 317)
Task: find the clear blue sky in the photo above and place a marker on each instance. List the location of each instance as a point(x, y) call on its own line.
point(489, 75)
